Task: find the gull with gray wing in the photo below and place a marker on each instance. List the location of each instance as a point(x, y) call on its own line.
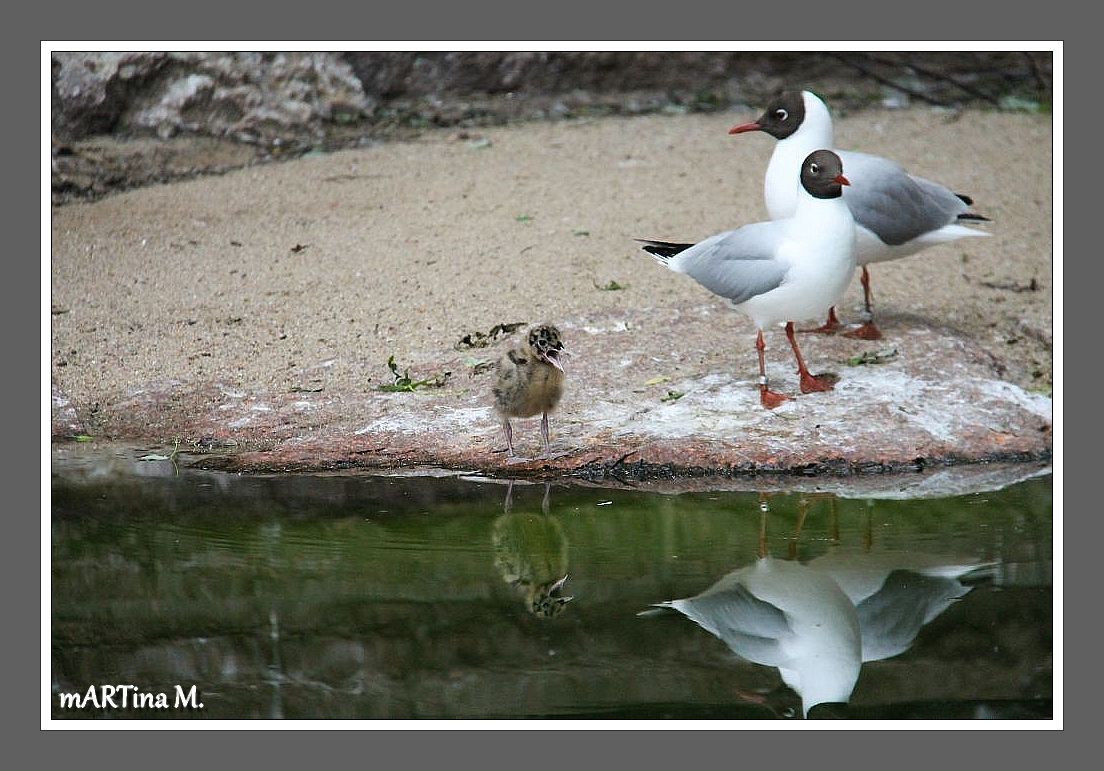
point(896, 214)
point(780, 271)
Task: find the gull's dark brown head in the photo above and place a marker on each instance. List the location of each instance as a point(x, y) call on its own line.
point(546, 344)
point(782, 117)
point(822, 174)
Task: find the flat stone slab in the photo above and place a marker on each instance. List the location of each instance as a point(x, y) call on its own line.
point(934, 399)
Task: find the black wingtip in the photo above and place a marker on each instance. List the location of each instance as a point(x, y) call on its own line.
point(965, 199)
point(664, 249)
point(973, 217)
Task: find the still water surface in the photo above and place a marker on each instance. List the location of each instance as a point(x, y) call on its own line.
point(356, 596)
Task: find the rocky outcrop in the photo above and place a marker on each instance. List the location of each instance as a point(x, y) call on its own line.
point(936, 403)
point(247, 96)
point(273, 97)
point(262, 106)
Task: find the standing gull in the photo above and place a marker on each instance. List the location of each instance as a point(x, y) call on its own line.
point(785, 270)
point(896, 214)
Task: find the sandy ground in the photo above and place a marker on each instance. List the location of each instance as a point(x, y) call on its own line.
point(309, 274)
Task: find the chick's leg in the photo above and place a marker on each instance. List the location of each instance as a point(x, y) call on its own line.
point(544, 433)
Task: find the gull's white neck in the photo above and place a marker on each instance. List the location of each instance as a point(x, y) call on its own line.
point(782, 183)
point(825, 218)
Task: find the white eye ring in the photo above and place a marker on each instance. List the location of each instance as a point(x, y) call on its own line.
point(781, 114)
point(815, 168)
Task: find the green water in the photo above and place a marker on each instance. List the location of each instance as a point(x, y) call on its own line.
point(354, 596)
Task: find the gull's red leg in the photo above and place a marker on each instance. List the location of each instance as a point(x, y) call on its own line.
point(809, 381)
point(828, 327)
point(867, 330)
point(767, 397)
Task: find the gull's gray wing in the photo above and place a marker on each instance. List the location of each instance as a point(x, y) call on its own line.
point(737, 264)
point(894, 205)
point(890, 619)
point(749, 626)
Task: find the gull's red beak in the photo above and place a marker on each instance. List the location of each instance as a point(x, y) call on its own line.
point(743, 127)
point(841, 180)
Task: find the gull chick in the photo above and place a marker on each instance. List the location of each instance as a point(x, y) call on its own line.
point(780, 271)
point(530, 381)
point(896, 214)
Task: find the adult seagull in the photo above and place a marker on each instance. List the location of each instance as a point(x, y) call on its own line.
point(896, 214)
point(785, 270)
point(897, 593)
point(785, 615)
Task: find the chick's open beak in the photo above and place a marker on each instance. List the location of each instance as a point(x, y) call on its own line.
point(555, 589)
point(553, 358)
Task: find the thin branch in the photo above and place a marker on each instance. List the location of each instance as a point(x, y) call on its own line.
point(887, 82)
point(1040, 80)
point(938, 76)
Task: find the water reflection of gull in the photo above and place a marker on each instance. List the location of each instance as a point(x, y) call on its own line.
point(898, 593)
point(786, 615)
point(819, 621)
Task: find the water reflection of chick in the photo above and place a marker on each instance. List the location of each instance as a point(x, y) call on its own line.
point(530, 381)
point(531, 555)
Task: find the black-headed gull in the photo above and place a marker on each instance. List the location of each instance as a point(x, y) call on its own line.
point(896, 214)
point(530, 381)
point(819, 622)
point(785, 270)
point(785, 615)
point(897, 593)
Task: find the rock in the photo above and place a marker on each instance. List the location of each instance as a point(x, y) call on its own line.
point(92, 90)
point(283, 103)
point(267, 98)
point(292, 96)
point(64, 421)
point(938, 402)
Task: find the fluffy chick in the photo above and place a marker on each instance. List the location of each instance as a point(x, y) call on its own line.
point(530, 381)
